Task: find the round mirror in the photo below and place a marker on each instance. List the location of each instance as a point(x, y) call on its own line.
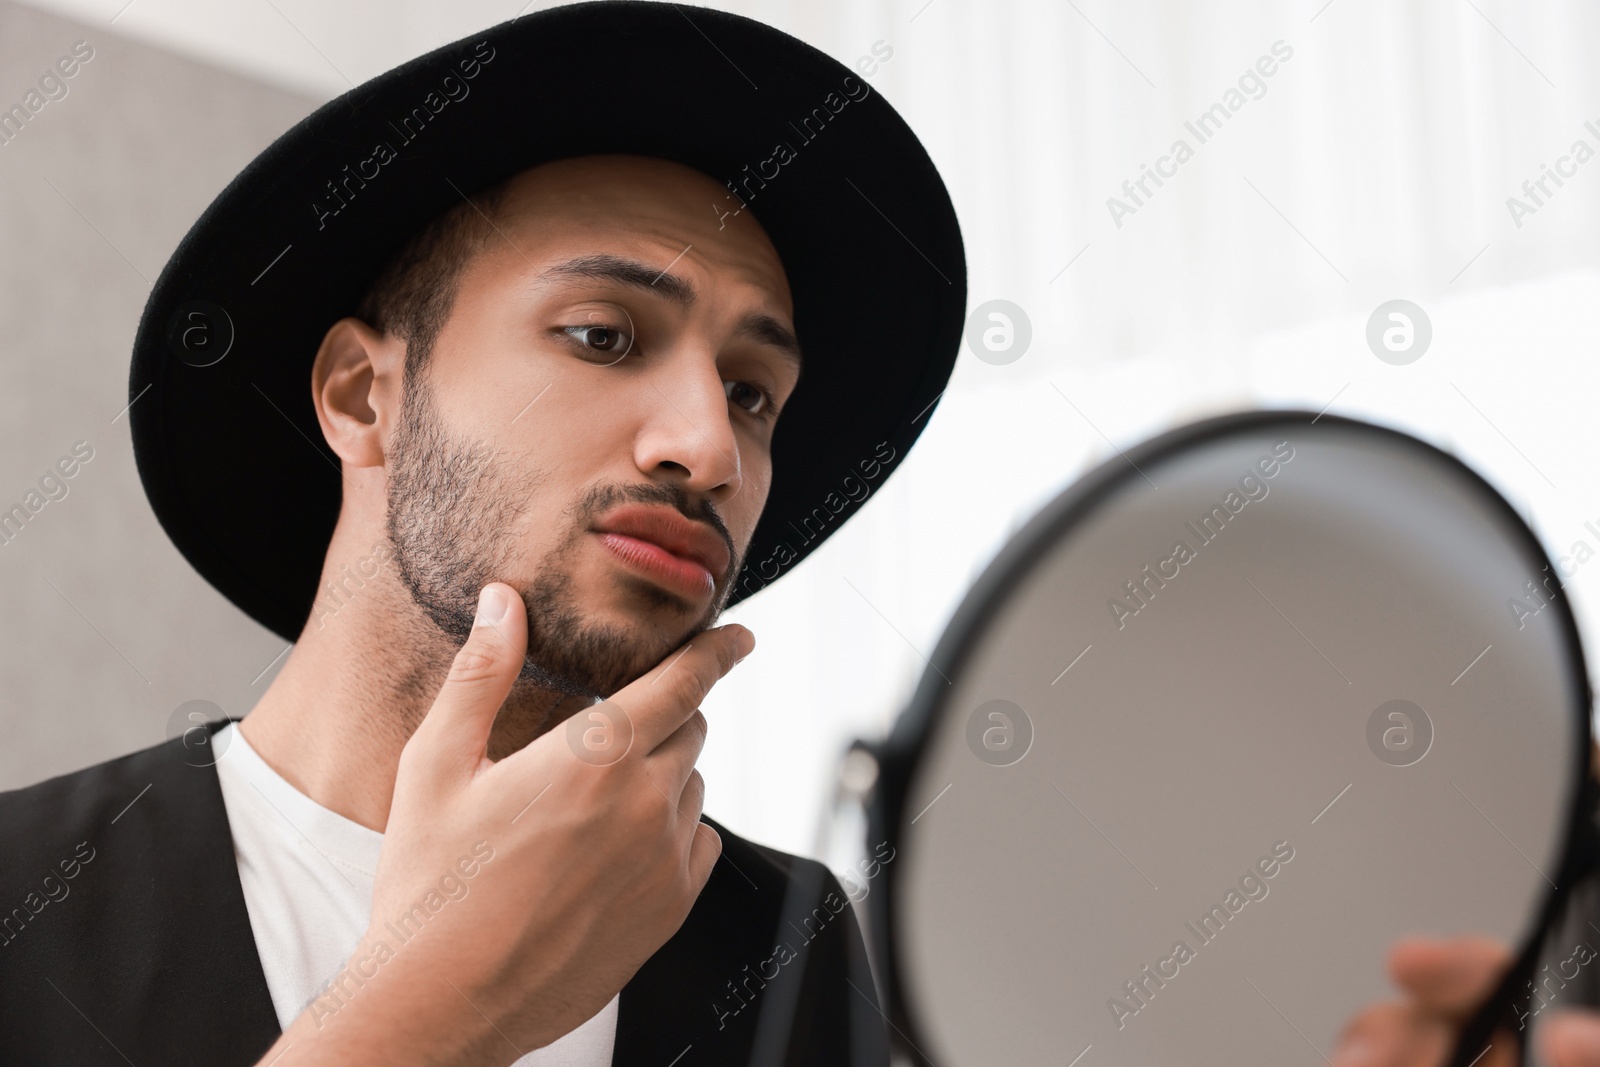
point(1229, 717)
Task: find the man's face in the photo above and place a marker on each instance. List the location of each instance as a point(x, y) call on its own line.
point(595, 423)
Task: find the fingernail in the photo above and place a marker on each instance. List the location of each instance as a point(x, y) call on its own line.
point(493, 604)
point(746, 642)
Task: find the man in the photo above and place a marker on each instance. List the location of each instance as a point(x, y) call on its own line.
point(488, 459)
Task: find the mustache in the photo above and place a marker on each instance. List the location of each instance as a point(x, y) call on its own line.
point(602, 498)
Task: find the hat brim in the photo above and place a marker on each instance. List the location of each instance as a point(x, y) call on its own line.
point(225, 436)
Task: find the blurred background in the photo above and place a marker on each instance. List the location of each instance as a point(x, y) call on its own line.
point(1396, 151)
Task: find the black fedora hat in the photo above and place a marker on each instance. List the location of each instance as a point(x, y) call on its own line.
point(225, 436)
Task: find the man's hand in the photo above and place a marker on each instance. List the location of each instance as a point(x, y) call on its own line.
point(595, 854)
point(1445, 982)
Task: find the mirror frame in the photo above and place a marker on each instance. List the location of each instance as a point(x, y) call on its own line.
point(899, 755)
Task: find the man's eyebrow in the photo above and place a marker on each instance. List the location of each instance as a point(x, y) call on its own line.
point(770, 331)
point(603, 266)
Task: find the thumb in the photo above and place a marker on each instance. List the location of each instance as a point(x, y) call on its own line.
point(1571, 1039)
point(455, 732)
point(1448, 977)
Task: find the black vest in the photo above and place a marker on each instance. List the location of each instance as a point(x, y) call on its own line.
point(124, 939)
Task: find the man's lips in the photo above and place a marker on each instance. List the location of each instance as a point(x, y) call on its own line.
point(688, 556)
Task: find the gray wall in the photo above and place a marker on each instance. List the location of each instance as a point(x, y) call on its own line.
point(104, 629)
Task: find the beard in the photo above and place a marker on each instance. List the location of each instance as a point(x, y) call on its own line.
point(453, 518)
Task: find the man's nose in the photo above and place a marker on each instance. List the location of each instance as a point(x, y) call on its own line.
point(689, 428)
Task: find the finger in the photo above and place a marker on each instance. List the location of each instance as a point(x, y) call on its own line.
point(1450, 977)
point(1504, 1052)
point(1570, 1038)
point(1388, 1035)
point(1404, 1035)
point(456, 729)
point(659, 701)
point(704, 851)
point(673, 760)
point(691, 802)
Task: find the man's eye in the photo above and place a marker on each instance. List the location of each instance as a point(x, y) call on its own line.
point(752, 398)
point(599, 342)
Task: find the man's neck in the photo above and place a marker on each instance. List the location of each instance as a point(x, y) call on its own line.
point(356, 686)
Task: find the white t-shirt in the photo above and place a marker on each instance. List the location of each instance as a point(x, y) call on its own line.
point(307, 876)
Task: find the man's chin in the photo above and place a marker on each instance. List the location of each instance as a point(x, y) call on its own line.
point(539, 677)
point(595, 661)
point(652, 613)
point(623, 629)
point(632, 600)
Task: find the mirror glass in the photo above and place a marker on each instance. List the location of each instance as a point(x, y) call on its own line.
point(1231, 716)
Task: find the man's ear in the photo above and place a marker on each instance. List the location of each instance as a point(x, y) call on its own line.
point(355, 385)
